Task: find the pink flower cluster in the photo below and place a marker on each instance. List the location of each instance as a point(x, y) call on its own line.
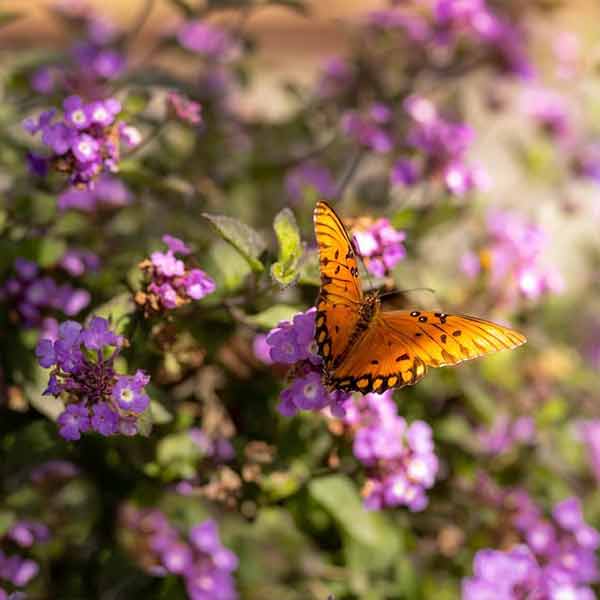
point(380, 245)
point(513, 258)
point(170, 283)
point(399, 458)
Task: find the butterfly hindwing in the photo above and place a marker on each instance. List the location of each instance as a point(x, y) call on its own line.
point(341, 295)
point(399, 346)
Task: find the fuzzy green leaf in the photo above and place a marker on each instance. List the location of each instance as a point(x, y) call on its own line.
point(285, 270)
point(247, 241)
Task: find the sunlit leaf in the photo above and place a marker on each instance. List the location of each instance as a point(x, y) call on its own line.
point(285, 270)
point(243, 238)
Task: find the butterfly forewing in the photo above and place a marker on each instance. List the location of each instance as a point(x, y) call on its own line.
point(340, 296)
point(400, 345)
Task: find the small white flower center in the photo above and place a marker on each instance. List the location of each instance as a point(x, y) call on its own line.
point(126, 395)
point(100, 114)
point(85, 148)
point(310, 391)
point(417, 469)
point(78, 116)
point(399, 488)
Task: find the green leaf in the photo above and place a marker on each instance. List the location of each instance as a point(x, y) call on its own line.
point(229, 267)
point(243, 238)
point(285, 270)
point(269, 318)
point(338, 495)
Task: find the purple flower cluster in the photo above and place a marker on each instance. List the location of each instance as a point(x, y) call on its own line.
point(380, 245)
point(309, 175)
point(184, 109)
point(218, 448)
point(549, 110)
point(505, 433)
point(399, 458)
point(449, 25)
point(370, 128)
point(293, 343)
point(94, 59)
point(513, 258)
point(83, 375)
point(335, 77)
point(205, 565)
point(439, 149)
point(107, 192)
point(16, 569)
point(36, 297)
point(86, 141)
point(170, 283)
point(207, 40)
point(556, 560)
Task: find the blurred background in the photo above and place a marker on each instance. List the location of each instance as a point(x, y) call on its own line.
point(460, 142)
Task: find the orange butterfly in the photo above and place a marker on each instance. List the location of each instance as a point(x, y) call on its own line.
point(367, 349)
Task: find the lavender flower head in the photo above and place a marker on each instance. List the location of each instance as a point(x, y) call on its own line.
point(207, 40)
point(204, 564)
point(16, 568)
point(170, 283)
point(513, 259)
point(399, 459)
point(441, 148)
point(370, 128)
point(379, 244)
point(83, 375)
point(86, 141)
point(35, 297)
point(293, 343)
point(555, 559)
point(182, 108)
point(309, 175)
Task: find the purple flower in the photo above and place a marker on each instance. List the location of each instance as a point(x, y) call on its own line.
point(284, 343)
point(104, 420)
point(309, 175)
point(404, 173)
point(74, 421)
point(167, 264)
point(85, 148)
point(399, 460)
point(198, 284)
point(205, 39)
point(381, 245)
point(76, 262)
point(183, 108)
point(129, 393)
point(44, 80)
point(59, 137)
point(262, 349)
point(98, 334)
point(175, 245)
point(104, 113)
point(369, 129)
point(336, 75)
point(308, 392)
point(205, 537)
point(88, 382)
point(76, 113)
